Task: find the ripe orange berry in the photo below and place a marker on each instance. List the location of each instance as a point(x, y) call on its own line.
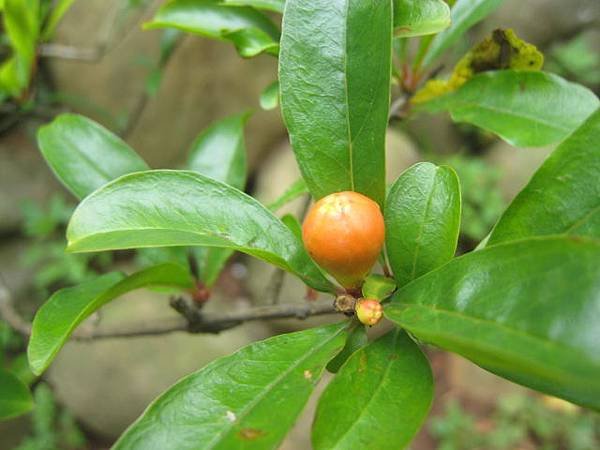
point(369, 311)
point(344, 233)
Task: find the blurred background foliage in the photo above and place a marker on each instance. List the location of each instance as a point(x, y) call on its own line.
point(158, 90)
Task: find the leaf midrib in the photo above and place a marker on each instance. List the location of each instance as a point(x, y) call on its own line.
point(422, 227)
point(511, 113)
point(515, 331)
point(240, 416)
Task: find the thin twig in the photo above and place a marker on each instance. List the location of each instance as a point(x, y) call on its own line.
point(70, 52)
point(193, 320)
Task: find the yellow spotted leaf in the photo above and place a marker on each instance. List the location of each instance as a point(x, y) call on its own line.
point(501, 50)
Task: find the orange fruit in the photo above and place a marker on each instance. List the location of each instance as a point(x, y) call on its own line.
point(344, 233)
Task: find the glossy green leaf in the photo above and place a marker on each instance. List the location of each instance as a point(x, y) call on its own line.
point(297, 189)
point(527, 109)
point(68, 307)
point(164, 208)
point(378, 400)
point(21, 24)
point(420, 17)
point(273, 380)
point(269, 98)
point(464, 14)
point(59, 9)
point(357, 339)
point(422, 220)
point(293, 225)
point(378, 287)
point(270, 5)
point(15, 398)
point(563, 197)
point(84, 155)
point(525, 310)
point(219, 152)
point(335, 110)
point(248, 29)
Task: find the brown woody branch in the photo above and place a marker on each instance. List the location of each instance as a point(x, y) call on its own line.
point(192, 319)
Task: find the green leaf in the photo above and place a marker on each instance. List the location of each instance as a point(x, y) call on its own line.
point(357, 339)
point(526, 109)
point(219, 152)
point(525, 310)
point(293, 225)
point(464, 14)
point(84, 155)
point(211, 261)
point(269, 98)
point(500, 50)
point(249, 30)
point(59, 9)
point(422, 220)
point(272, 378)
point(297, 189)
point(15, 398)
point(21, 23)
point(563, 197)
point(164, 208)
point(378, 400)
point(270, 5)
point(420, 17)
point(378, 287)
point(335, 110)
point(68, 307)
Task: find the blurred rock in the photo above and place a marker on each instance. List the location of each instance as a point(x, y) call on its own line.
point(204, 81)
point(543, 21)
point(466, 380)
point(436, 134)
point(401, 153)
point(23, 175)
point(13, 431)
point(107, 384)
point(16, 277)
point(517, 165)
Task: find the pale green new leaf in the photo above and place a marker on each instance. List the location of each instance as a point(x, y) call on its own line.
point(21, 23)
